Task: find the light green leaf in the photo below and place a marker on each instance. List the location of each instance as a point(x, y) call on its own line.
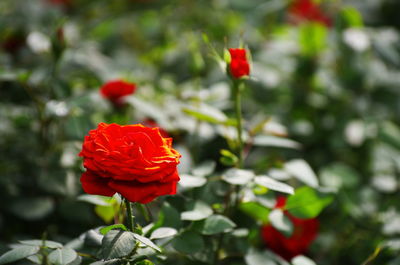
point(301, 170)
point(62, 256)
point(106, 229)
point(273, 184)
point(200, 211)
point(274, 141)
point(254, 257)
point(163, 232)
point(95, 199)
point(18, 253)
point(281, 222)
point(307, 202)
point(255, 210)
point(302, 260)
point(39, 243)
point(237, 176)
point(204, 169)
point(216, 224)
point(188, 181)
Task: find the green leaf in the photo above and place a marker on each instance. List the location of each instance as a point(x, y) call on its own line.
point(273, 184)
point(209, 114)
point(147, 242)
point(188, 242)
point(32, 208)
point(106, 229)
point(307, 202)
point(95, 199)
point(339, 175)
point(204, 169)
point(301, 170)
point(274, 141)
point(62, 256)
point(117, 244)
point(312, 38)
point(200, 210)
point(107, 262)
point(216, 224)
point(255, 210)
point(281, 222)
point(106, 213)
point(390, 134)
point(228, 158)
point(163, 232)
point(237, 176)
point(302, 260)
point(18, 253)
point(254, 257)
point(352, 17)
point(188, 181)
point(39, 243)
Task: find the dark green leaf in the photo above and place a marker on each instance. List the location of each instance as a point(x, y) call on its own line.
point(216, 224)
point(188, 242)
point(117, 244)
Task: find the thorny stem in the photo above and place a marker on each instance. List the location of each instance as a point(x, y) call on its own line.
point(238, 110)
point(130, 218)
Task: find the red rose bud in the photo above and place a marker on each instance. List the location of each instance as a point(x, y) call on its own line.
point(115, 90)
point(133, 160)
point(304, 233)
point(308, 10)
point(239, 65)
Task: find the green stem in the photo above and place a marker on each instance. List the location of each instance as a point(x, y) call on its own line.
point(238, 111)
point(129, 215)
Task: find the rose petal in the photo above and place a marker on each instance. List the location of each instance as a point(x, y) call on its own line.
point(93, 184)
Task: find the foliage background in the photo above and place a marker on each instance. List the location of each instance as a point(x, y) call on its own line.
point(334, 90)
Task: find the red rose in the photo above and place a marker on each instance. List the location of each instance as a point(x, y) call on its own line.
point(239, 66)
point(133, 160)
point(115, 90)
point(308, 10)
point(304, 233)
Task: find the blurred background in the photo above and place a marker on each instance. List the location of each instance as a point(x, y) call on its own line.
point(327, 79)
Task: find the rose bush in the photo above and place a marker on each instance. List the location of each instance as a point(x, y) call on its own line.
point(133, 160)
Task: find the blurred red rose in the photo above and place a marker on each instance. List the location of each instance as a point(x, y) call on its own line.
point(308, 10)
point(115, 90)
point(153, 124)
point(239, 65)
point(304, 233)
point(133, 160)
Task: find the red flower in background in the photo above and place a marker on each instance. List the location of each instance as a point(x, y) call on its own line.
point(133, 160)
point(304, 233)
point(115, 90)
point(308, 10)
point(239, 65)
point(153, 124)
